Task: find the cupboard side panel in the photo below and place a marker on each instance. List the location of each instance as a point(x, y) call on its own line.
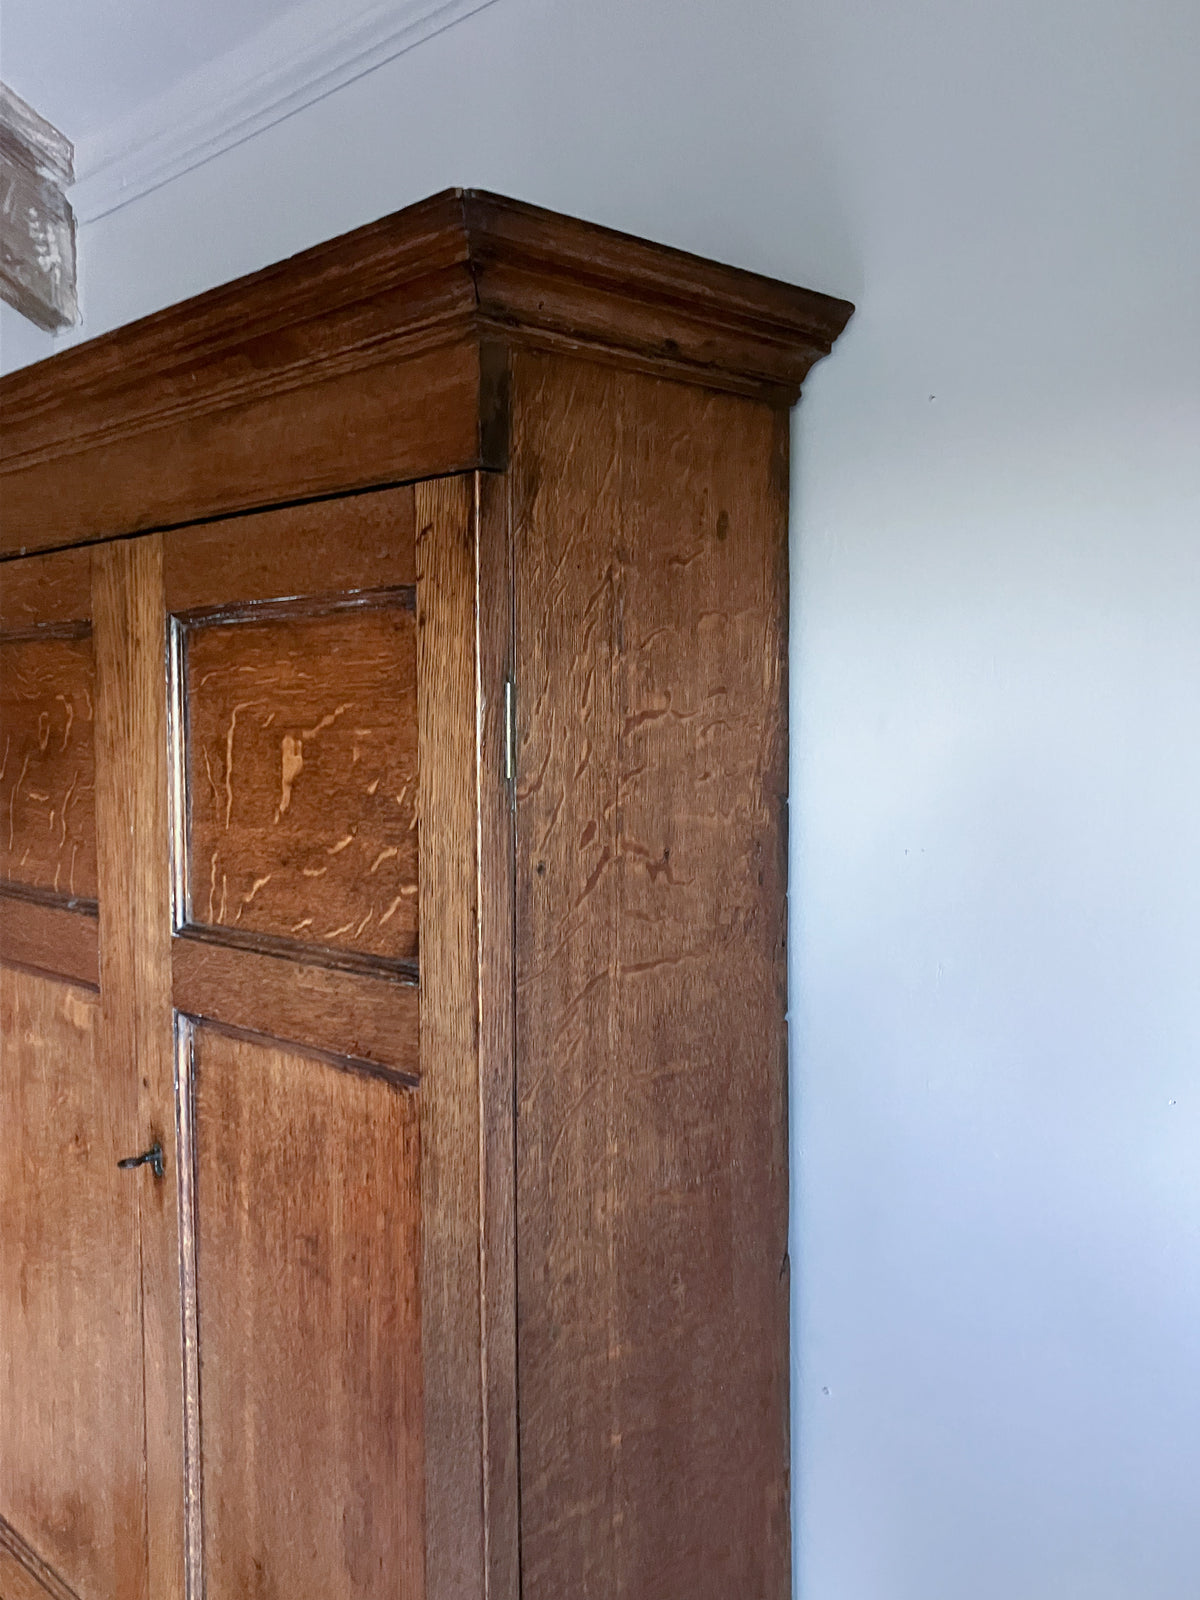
point(650, 527)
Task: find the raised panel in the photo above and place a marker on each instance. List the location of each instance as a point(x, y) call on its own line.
point(47, 763)
point(307, 1218)
point(300, 774)
point(71, 1432)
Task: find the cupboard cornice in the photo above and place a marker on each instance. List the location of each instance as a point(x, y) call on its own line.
point(379, 357)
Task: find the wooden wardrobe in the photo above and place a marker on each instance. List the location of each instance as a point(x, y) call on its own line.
point(393, 1140)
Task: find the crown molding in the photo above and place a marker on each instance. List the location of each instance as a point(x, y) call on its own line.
point(463, 264)
point(379, 357)
point(297, 59)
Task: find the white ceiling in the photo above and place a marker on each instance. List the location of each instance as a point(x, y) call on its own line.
point(84, 64)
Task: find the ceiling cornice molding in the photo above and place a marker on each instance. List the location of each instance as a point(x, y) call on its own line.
point(297, 59)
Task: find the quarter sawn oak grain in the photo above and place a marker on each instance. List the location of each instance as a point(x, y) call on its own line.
point(300, 735)
point(652, 1157)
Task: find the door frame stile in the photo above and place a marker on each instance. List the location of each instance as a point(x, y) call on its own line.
point(133, 826)
point(496, 778)
point(464, 643)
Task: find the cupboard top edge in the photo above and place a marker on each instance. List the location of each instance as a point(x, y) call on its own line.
point(463, 264)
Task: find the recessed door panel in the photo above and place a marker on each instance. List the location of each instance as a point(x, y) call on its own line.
point(307, 1245)
point(71, 1432)
point(301, 773)
point(47, 773)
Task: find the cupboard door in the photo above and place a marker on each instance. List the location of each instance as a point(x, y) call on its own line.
point(342, 986)
point(72, 1472)
point(280, 950)
point(295, 967)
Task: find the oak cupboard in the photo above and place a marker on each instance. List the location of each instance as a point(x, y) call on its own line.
point(392, 868)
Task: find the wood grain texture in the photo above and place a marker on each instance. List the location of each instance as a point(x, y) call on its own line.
point(497, 1064)
point(47, 764)
point(652, 1164)
point(564, 284)
point(71, 1424)
point(23, 1573)
point(413, 1323)
point(46, 590)
point(377, 357)
point(379, 423)
point(324, 547)
point(450, 1095)
point(132, 808)
point(18, 1583)
point(50, 938)
point(192, 1464)
point(301, 772)
point(308, 1255)
point(394, 285)
point(368, 1018)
